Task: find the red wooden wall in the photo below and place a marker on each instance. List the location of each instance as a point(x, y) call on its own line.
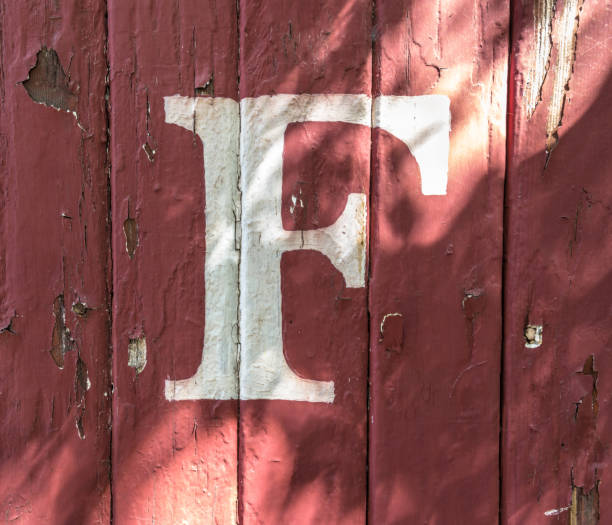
point(332, 261)
point(55, 277)
point(556, 439)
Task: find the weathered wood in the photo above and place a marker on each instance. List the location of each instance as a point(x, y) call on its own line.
point(435, 287)
point(175, 459)
point(557, 298)
point(257, 157)
point(304, 461)
point(54, 264)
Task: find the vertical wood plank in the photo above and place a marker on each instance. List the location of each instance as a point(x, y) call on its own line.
point(174, 461)
point(558, 366)
point(303, 461)
point(435, 288)
point(54, 264)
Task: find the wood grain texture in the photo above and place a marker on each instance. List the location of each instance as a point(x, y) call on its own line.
point(54, 264)
point(435, 285)
point(557, 395)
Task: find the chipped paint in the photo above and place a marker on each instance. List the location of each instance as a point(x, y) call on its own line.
point(80, 308)
point(584, 509)
point(543, 13)
point(130, 230)
point(384, 320)
point(61, 341)
point(207, 90)
point(48, 84)
point(392, 332)
point(56, 229)
point(533, 336)
point(81, 379)
point(82, 384)
point(566, 36)
point(137, 354)
point(556, 512)
point(150, 152)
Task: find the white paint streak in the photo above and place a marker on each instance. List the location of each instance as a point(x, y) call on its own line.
point(216, 122)
point(423, 124)
point(556, 512)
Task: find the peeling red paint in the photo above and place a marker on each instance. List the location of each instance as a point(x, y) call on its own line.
point(47, 83)
point(54, 253)
point(108, 225)
point(60, 339)
point(556, 400)
point(392, 332)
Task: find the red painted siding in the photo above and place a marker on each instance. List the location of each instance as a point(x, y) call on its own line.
point(435, 285)
point(243, 281)
point(54, 268)
point(556, 438)
point(306, 462)
point(174, 462)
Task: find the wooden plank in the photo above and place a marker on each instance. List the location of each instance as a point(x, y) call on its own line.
point(557, 361)
point(175, 457)
point(436, 247)
point(54, 264)
point(305, 159)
